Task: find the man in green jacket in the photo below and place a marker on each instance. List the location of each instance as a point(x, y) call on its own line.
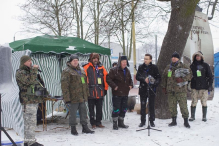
point(75, 92)
point(28, 81)
point(176, 88)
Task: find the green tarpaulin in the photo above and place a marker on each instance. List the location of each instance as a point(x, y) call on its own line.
point(61, 44)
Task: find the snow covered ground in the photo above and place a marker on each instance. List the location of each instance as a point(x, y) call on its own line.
point(200, 134)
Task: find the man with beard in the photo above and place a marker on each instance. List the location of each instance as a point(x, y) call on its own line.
point(120, 80)
point(148, 75)
point(201, 84)
point(96, 76)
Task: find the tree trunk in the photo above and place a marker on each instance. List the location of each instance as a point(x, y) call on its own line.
point(81, 19)
point(77, 19)
point(180, 24)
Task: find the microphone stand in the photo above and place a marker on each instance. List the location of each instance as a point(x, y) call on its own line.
point(148, 127)
point(2, 128)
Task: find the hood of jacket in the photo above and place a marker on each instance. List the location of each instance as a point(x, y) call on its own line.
point(197, 53)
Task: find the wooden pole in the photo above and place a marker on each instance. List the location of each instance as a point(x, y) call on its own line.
point(133, 35)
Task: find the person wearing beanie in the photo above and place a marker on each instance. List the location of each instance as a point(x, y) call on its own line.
point(27, 78)
point(201, 84)
point(75, 93)
point(120, 80)
point(176, 94)
point(175, 55)
point(96, 76)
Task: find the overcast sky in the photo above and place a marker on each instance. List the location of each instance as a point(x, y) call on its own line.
point(10, 26)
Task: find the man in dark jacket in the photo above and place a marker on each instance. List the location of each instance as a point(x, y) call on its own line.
point(201, 84)
point(120, 80)
point(148, 75)
point(96, 74)
point(75, 92)
point(28, 79)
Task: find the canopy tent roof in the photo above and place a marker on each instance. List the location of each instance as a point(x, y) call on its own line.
point(58, 44)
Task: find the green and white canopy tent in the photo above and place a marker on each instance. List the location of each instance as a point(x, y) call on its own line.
point(51, 54)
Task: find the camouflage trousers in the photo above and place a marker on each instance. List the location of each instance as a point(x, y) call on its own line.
point(174, 99)
point(29, 113)
point(202, 94)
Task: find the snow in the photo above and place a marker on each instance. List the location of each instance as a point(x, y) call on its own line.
point(201, 133)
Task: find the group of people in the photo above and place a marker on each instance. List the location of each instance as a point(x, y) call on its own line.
point(90, 82)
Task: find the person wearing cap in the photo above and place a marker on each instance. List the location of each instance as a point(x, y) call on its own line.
point(120, 80)
point(145, 73)
point(201, 84)
point(176, 94)
point(27, 77)
point(96, 77)
point(75, 93)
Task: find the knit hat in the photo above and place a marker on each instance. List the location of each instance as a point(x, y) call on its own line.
point(24, 59)
point(176, 55)
point(72, 57)
point(94, 55)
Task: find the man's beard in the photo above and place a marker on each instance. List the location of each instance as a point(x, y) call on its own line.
point(95, 62)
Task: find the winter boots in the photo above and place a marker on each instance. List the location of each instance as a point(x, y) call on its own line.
point(86, 130)
point(193, 108)
point(186, 123)
point(204, 112)
point(173, 123)
point(115, 125)
point(121, 123)
point(74, 131)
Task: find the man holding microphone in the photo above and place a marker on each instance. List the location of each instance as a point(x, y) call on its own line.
point(28, 81)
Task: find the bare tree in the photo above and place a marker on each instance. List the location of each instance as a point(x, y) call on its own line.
point(210, 6)
point(79, 15)
point(47, 17)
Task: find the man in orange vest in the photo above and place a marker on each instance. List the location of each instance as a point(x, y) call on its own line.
point(96, 76)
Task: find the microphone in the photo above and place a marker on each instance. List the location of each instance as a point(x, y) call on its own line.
point(38, 69)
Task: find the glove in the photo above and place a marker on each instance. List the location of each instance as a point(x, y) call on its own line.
point(179, 80)
point(164, 90)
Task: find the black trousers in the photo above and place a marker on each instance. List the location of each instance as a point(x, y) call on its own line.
point(95, 120)
point(151, 107)
point(120, 106)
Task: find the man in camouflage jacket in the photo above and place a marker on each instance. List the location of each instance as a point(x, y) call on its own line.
point(176, 94)
point(26, 76)
point(75, 92)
